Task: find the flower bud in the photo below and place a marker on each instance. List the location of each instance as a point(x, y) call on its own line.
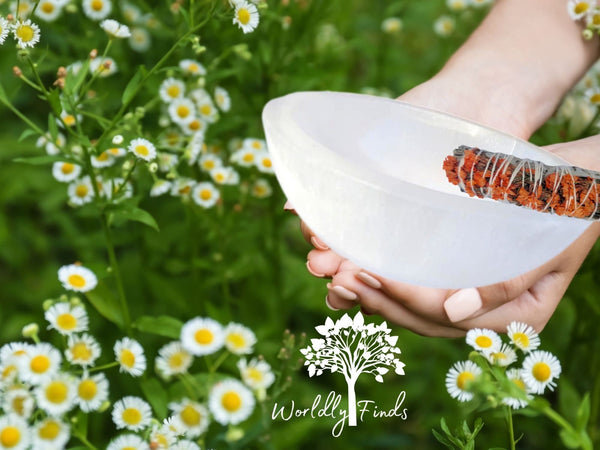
point(30, 330)
point(75, 301)
point(588, 34)
point(47, 304)
point(104, 406)
point(234, 434)
point(17, 71)
point(117, 139)
point(153, 167)
point(94, 54)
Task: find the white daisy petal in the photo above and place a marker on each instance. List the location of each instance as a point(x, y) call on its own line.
point(239, 339)
point(458, 378)
point(97, 9)
point(484, 340)
point(65, 172)
point(540, 369)
point(205, 194)
point(173, 359)
point(523, 336)
point(77, 278)
point(56, 395)
point(190, 416)
point(92, 392)
point(202, 336)
point(142, 148)
point(128, 442)
point(131, 413)
point(256, 374)
point(66, 318)
point(14, 433)
point(50, 433)
point(82, 350)
point(130, 356)
point(230, 402)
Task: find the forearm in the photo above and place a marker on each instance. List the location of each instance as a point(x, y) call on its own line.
point(520, 62)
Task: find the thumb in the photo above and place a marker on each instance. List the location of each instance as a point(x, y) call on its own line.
point(582, 152)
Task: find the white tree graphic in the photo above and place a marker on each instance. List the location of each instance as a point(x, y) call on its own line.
point(353, 348)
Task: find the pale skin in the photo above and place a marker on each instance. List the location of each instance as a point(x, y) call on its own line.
point(511, 75)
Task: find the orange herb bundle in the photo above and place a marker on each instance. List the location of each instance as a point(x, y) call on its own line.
point(563, 190)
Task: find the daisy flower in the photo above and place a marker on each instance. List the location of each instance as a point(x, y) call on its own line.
point(484, 340)
point(50, 433)
point(172, 137)
point(256, 374)
point(593, 96)
point(56, 395)
point(48, 10)
point(173, 359)
point(113, 186)
point(181, 110)
point(234, 177)
point(82, 350)
point(515, 376)
point(18, 401)
point(130, 12)
point(202, 336)
point(456, 5)
point(480, 3)
point(194, 126)
point(523, 336)
point(167, 161)
point(92, 392)
point(4, 29)
point(391, 25)
point(239, 339)
point(185, 444)
point(14, 433)
point(458, 377)
point(66, 318)
point(230, 402)
point(220, 175)
point(444, 26)
point(65, 172)
point(131, 413)
point(104, 66)
point(97, 9)
point(80, 191)
point(77, 278)
point(26, 33)
point(160, 187)
point(143, 149)
point(209, 161)
point(128, 442)
point(222, 99)
point(540, 368)
point(206, 108)
point(191, 67)
point(244, 157)
point(116, 152)
point(139, 40)
point(171, 89)
point(21, 9)
point(103, 160)
point(205, 194)
point(502, 357)
point(68, 119)
point(115, 29)
point(13, 350)
point(190, 416)
point(130, 355)
point(593, 19)
point(162, 437)
point(578, 9)
point(182, 187)
point(41, 362)
point(254, 144)
point(261, 188)
point(53, 148)
point(263, 162)
point(245, 16)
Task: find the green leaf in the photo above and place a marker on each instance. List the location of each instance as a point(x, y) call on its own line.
point(46, 159)
point(568, 399)
point(570, 439)
point(442, 440)
point(25, 134)
point(52, 127)
point(583, 413)
point(72, 82)
point(54, 100)
point(162, 325)
point(3, 97)
point(131, 88)
point(156, 395)
point(106, 304)
point(136, 214)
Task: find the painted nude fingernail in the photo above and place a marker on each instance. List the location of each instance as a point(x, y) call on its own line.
point(462, 304)
point(313, 272)
point(318, 243)
point(288, 206)
point(344, 293)
point(369, 280)
point(329, 304)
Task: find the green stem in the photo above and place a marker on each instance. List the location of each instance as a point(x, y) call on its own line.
point(84, 441)
point(509, 423)
point(37, 76)
point(188, 387)
point(219, 361)
point(126, 179)
point(30, 83)
point(95, 75)
point(24, 118)
point(102, 367)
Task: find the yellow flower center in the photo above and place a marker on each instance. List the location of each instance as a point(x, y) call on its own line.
point(193, 68)
point(76, 280)
point(25, 33)
point(87, 389)
point(254, 374)
point(257, 145)
point(81, 190)
point(132, 416)
point(173, 91)
point(205, 194)
point(47, 7)
point(248, 157)
point(243, 16)
point(185, 190)
point(127, 358)
point(260, 190)
point(114, 151)
point(49, 430)
point(190, 416)
point(10, 436)
point(463, 378)
point(67, 168)
point(208, 164)
point(205, 110)
point(183, 111)
point(8, 371)
point(220, 99)
point(195, 125)
point(236, 340)
point(521, 339)
point(541, 371)
point(219, 178)
point(519, 383)
point(596, 19)
point(231, 401)
point(97, 5)
point(483, 341)
point(102, 156)
point(267, 163)
point(81, 352)
point(18, 405)
point(56, 392)
point(142, 150)
point(203, 336)
point(69, 120)
point(595, 99)
point(40, 364)
point(67, 321)
point(581, 7)
point(177, 360)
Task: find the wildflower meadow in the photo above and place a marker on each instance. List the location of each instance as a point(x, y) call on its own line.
point(154, 293)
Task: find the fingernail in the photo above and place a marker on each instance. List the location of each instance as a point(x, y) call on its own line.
point(462, 304)
point(288, 206)
point(318, 243)
point(310, 269)
point(369, 280)
point(346, 294)
point(329, 304)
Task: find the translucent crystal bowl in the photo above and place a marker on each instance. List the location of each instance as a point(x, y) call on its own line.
point(365, 174)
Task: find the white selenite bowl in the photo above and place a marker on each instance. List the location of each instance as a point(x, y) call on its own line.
point(365, 174)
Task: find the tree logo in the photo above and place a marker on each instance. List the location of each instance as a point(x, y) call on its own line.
point(351, 347)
